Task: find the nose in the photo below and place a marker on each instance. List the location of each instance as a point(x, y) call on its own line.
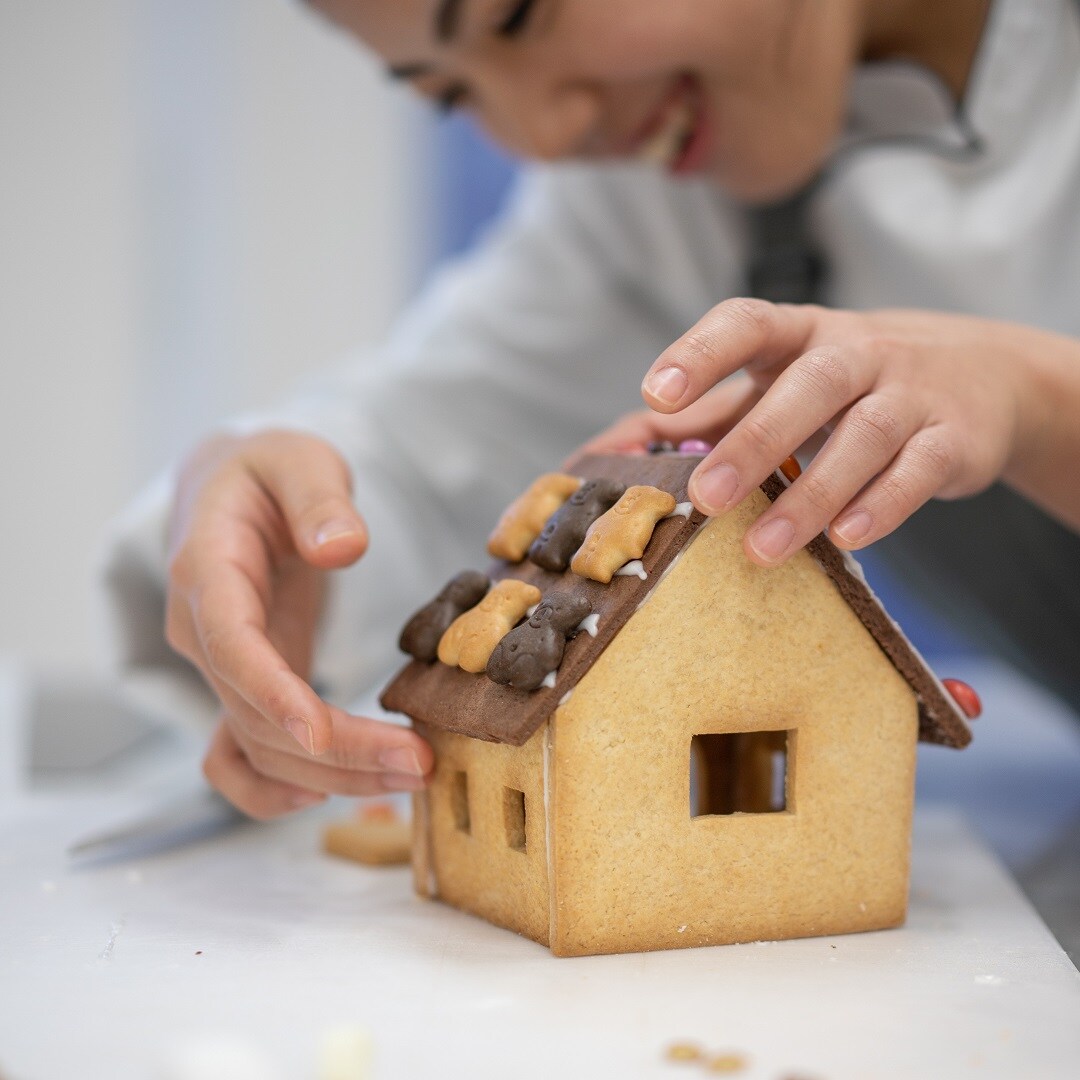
point(544, 120)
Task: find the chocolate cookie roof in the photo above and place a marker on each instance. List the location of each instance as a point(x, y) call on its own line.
point(474, 705)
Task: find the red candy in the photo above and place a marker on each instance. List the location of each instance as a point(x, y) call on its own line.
point(964, 696)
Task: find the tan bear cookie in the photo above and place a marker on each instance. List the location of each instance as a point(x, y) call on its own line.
point(523, 519)
point(622, 533)
point(472, 637)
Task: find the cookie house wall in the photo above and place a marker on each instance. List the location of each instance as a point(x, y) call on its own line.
point(484, 867)
point(723, 645)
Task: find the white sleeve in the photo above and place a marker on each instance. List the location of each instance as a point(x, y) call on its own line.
point(510, 360)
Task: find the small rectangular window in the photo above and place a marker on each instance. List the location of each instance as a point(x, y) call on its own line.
point(459, 801)
point(741, 772)
point(514, 817)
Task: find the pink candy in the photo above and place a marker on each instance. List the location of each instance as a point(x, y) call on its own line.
point(694, 446)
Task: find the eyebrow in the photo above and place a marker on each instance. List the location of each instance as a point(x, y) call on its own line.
point(447, 21)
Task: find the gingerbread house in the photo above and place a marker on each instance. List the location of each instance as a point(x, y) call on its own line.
point(644, 741)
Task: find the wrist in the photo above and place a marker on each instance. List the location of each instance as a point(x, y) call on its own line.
point(1046, 442)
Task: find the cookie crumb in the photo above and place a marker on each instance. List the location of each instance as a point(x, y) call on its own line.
point(683, 1052)
point(726, 1063)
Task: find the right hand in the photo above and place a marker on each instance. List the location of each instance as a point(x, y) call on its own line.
point(257, 522)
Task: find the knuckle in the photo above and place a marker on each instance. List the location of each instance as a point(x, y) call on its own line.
point(817, 492)
point(897, 493)
point(935, 456)
point(256, 800)
point(248, 729)
point(217, 646)
point(874, 425)
point(750, 314)
point(324, 505)
point(701, 346)
point(824, 374)
point(354, 759)
point(761, 434)
point(882, 346)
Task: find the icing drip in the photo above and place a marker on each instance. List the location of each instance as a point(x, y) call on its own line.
point(589, 624)
point(683, 510)
point(632, 569)
point(549, 680)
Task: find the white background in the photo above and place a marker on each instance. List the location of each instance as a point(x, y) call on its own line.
point(199, 200)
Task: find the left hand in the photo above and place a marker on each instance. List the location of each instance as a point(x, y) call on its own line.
point(913, 405)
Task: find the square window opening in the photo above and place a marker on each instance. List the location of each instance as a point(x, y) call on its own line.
point(459, 802)
point(741, 772)
point(514, 818)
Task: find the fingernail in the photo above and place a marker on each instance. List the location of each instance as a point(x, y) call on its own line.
point(301, 731)
point(401, 760)
point(771, 541)
point(854, 528)
point(667, 385)
point(331, 530)
point(306, 798)
point(400, 782)
point(714, 489)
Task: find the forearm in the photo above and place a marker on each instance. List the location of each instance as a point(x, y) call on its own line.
point(1045, 464)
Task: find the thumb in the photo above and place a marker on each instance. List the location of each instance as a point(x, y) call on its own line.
point(312, 485)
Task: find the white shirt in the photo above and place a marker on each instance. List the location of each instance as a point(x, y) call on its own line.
point(540, 338)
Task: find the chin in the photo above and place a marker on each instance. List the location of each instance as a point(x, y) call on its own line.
point(765, 185)
point(762, 171)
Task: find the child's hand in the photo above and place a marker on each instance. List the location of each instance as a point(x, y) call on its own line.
point(916, 405)
point(256, 523)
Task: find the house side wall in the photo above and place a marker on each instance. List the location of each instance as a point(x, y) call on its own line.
point(723, 645)
point(479, 871)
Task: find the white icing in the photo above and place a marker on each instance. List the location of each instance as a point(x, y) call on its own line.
point(683, 510)
point(632, 569)
point(565, 698)
point(529, 611)
point(549, 680)
point(664, 573)
point(589, 624)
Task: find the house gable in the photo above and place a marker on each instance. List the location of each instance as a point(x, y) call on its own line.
point(722, 645)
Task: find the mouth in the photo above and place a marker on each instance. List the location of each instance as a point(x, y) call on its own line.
point(676, 138)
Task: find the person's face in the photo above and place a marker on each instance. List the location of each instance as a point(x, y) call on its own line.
point(748, 92)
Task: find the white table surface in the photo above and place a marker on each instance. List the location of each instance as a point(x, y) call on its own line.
point(256, 939)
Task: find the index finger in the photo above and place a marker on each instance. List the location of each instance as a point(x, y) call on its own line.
point(230, 622)
point(735, 334)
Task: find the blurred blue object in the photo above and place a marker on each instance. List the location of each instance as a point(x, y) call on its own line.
point(929, 633)
point(472, 182)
